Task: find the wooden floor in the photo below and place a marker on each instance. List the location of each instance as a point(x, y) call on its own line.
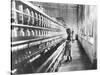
point(80, 61)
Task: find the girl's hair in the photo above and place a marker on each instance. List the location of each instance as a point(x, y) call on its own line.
point(68, 30)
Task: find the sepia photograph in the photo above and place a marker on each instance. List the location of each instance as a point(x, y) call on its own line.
point(53, 37)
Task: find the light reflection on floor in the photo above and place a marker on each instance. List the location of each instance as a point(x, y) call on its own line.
point(79, 60)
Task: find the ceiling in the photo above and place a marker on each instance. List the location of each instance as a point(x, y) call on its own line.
point(65, 11)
